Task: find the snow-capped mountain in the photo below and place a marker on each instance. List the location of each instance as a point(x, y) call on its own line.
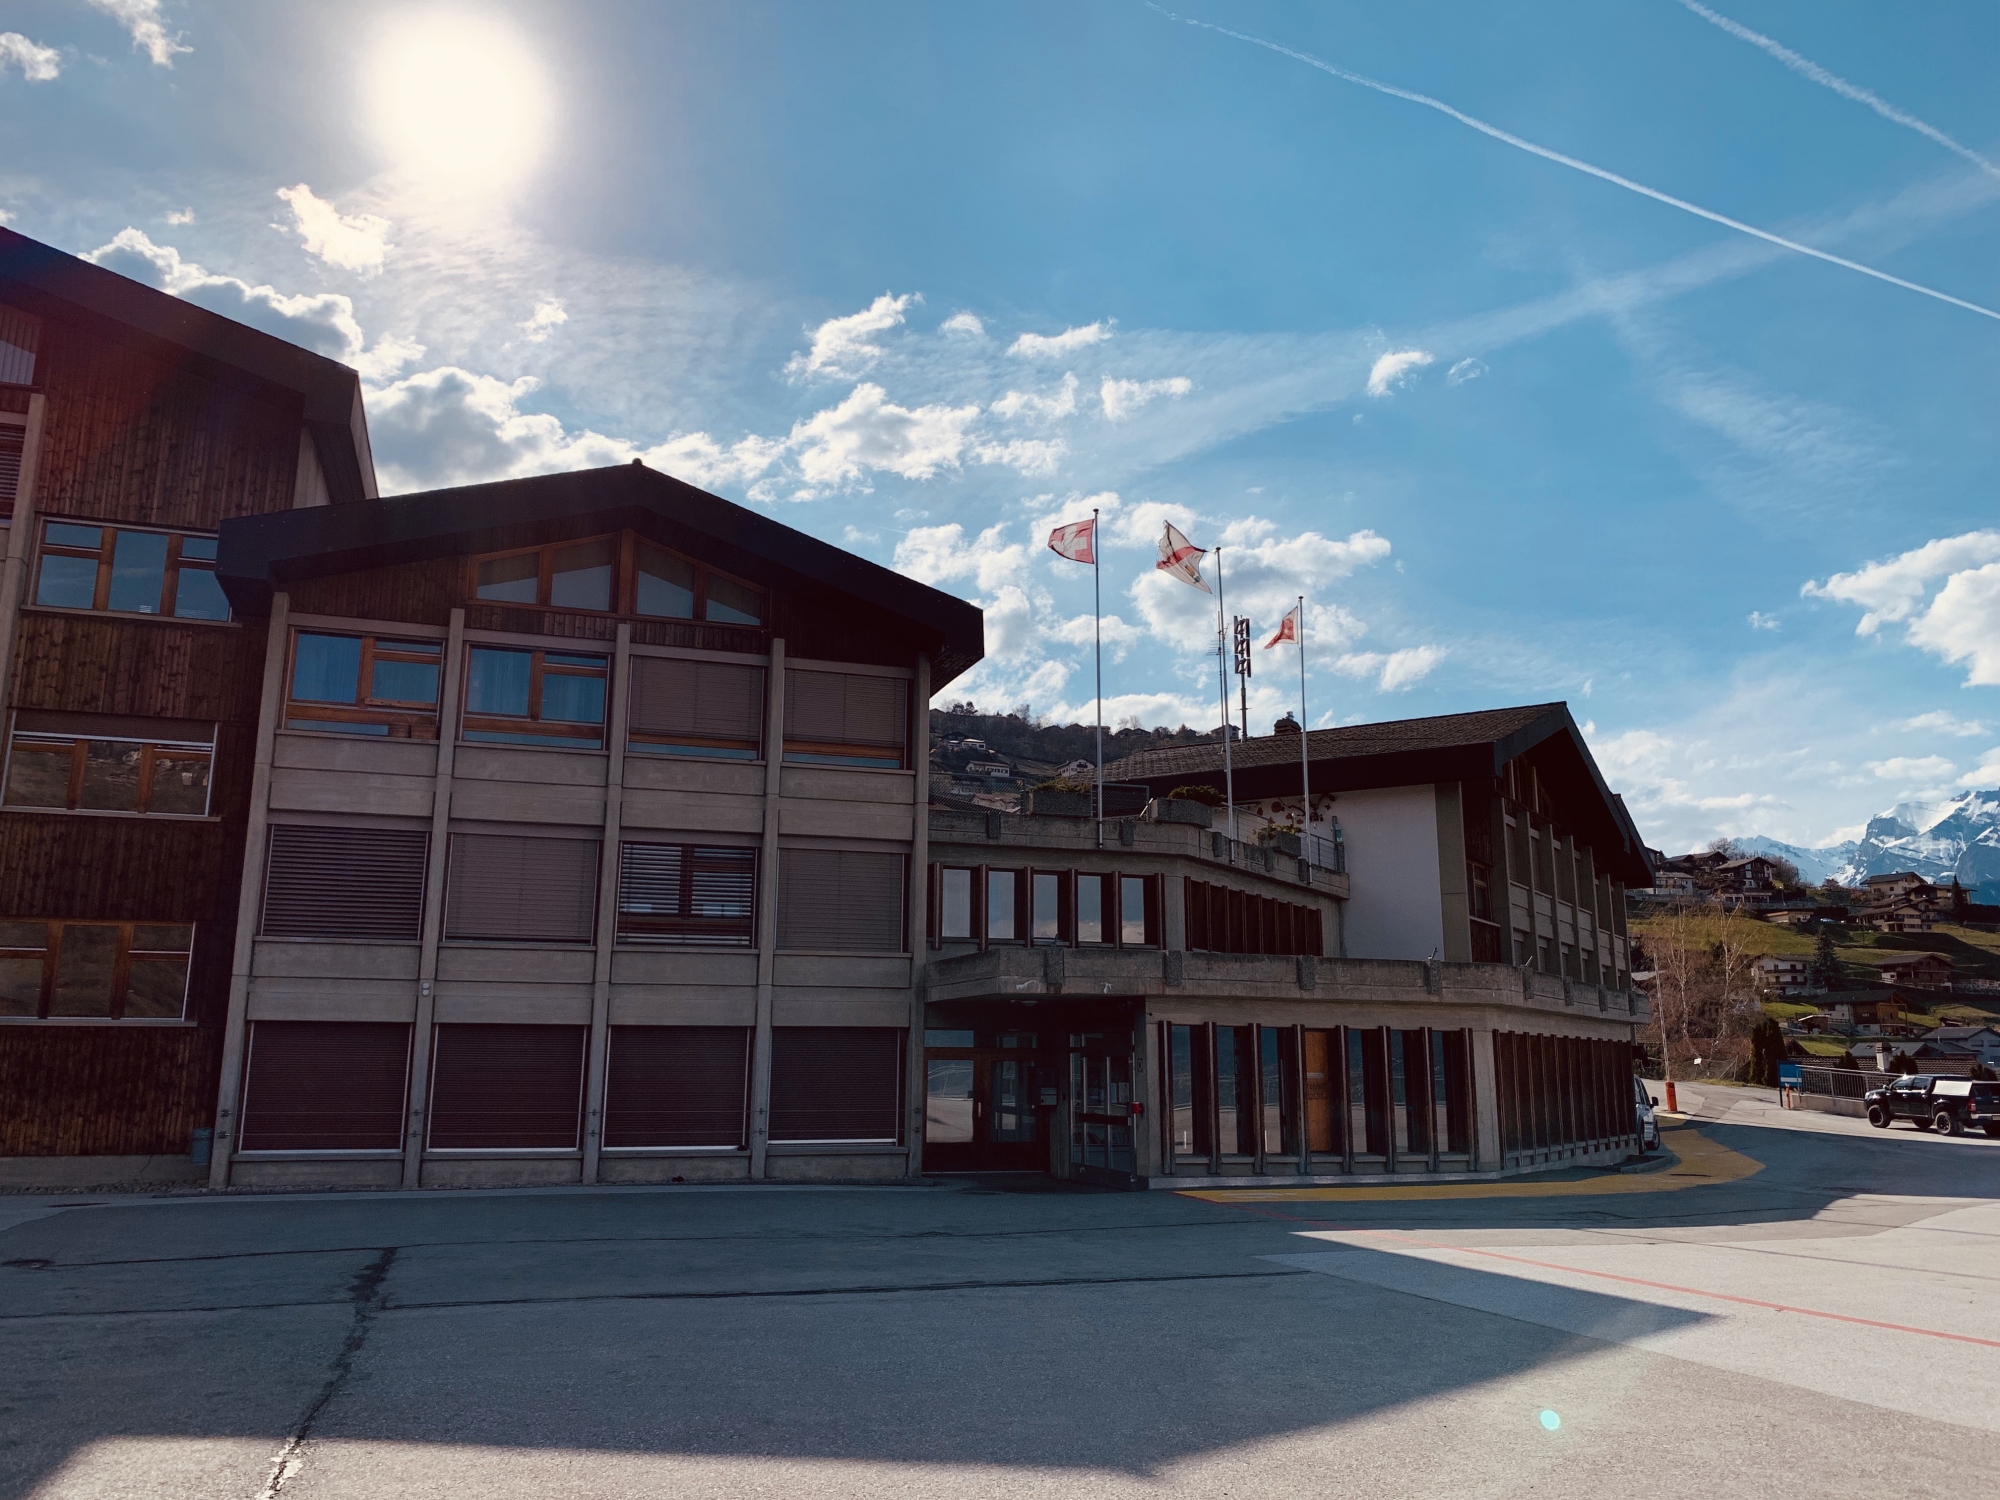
point(1959, 836)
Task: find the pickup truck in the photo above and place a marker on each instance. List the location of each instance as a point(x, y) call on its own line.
point(1946, 1105)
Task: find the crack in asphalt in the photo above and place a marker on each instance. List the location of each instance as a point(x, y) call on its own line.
point(366, 1295)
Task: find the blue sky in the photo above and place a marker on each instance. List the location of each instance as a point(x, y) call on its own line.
point(926, 280)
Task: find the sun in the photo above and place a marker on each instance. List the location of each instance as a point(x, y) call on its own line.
point(458, 100)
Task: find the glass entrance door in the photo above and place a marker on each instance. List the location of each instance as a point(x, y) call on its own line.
point(1101, 1106)
point(985, 1107)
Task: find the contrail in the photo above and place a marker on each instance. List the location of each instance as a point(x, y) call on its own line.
point(1807, 68)
point(1581, 166)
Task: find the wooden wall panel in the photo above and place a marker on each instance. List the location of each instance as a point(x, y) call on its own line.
point(106, 1091)
point(146, 438)
point(422, 593)
point(118, 869)
point(93, 664)
point(826, 627)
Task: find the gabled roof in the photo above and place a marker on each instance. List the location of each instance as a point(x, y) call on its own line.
point(1405, 752)
point(1903, 960)
point(45, 281)
point(259, 555)
point(1958, 1033)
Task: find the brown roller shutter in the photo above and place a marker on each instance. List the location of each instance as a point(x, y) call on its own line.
point(677, 1086)
point(705, 700)
point(846, 708)
point(840, 901)
point(517, 1087)
point(345, 883)
point(836, 1083)
point(513, 889)
point(325, 1086)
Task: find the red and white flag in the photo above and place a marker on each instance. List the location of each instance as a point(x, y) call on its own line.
point(1076, 541)
point(1288, 629)
point(1181, 558)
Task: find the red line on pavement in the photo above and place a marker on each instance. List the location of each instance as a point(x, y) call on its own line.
point(1667, 1286)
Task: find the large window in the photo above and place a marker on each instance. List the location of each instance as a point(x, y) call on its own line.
point(840, 901)
point(1045, 907)
point(687, 896)
point(837, 1083)
point(12, 440)
point(360, 883)
point(511, 888)
point(325, 1085)
point(617, 574)
point(119, 971)
point(77, 763)
point(846, 719)
point(535, 698)
point(364, 684)
point(677, 1086)
point(497, 1087)
point(1221, 919)
point(706, 708)
point(129, 571)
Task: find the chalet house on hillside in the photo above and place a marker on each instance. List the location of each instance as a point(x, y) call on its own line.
point(1903, 883)
point(1864, 1010)
point(1982, 1042)
point(1748, 875)
point(1785, 975)
point(1899, 916)
point(1924, 971)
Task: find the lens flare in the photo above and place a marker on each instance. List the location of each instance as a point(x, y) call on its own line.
point(458, 100)
point(1551, 1421)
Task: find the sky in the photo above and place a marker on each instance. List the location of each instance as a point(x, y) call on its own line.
point(1643, 355)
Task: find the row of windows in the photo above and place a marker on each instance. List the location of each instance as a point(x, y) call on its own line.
point(1561, 1091)
point(101, 970)
point(343, 1086)
point(79, 763)
point(622, 574)
point(368, 884)
point(130, 570)
point(1566, 960)
point(983, 904)
point(390, 687)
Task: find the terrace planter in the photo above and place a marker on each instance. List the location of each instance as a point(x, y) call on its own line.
point(1285, 843)
point(1181, 810)
point(1061, 804)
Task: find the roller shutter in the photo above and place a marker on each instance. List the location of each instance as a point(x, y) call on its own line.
point(836, 1083)
point(507, 1086)
point(702, 701)
point(325, 1086)
point(513, 889)
point(840, 901)
point(677, 1086)
point(345, 883)
point(847, 709)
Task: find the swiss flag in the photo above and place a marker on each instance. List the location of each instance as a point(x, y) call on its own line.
point(1076, 541)
point(1288, 629)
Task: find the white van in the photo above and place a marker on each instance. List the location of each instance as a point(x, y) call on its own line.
point(1644, 1104)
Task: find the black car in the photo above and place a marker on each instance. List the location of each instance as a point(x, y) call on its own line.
point(1946, 1105)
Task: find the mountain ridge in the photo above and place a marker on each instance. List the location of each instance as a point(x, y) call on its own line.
point(1956, 837)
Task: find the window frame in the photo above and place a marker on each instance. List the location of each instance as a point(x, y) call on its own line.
point(50, 953)
point(42, 741)
point(367, 709)
point(546, 734)
point(624, 581)
point(693, 928)
point(104, 555)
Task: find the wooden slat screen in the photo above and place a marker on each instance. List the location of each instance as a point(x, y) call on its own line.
point(836, 1083)
point(12, 439)
point(507, 1086)
point(687, 896)
point(345, 883)
point(677, 1086)
point(1221, 919)
point(504, 887)
point(701, 700)
point(325, 1086)
point(846, 708)
point(840, 901)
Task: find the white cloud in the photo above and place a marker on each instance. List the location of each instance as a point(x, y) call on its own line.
point(1939, 721)
point(387, 359)
point(180, 216)
point(963, 325)
point(38, 64)
point(1034, 457)
point(842, 347)
point(1388, 371)
point(1056, 346)
point(1925, 768)
point(549, 314)
point(1395, 671)
point(1123, 397)
point(1026, 404)
point(1762, 621)
point(1464, 370)
point(1986, 773)
point(142, 19)
point(1963, 624)
point(840, 446)
point(350, 242)
point(1892, 589)
point(940, 554)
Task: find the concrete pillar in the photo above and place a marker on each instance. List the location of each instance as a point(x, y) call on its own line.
point(1486, 1152)
point(20, 548)
point(1453, 886)
point(1146, 1095)
point(919, 897)
point(767, 908)
point(433, 929)
point(596, 1056)
point(249, 900)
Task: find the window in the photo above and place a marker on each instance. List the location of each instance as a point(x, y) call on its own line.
point(364, 883)
point(497, 1087)
point(1090, 908)
point(325, 1086)
point(955, 905)
point(1479, 880)
point(846, 718)
point(837, 1083)
point(1235, 1101)
point(1003, 900)
point(1188, 1089)
point(1135, 927)
point(677, 1086)
point(1221, 919)
point(687, 896)
point(120, 971)
point(535, 698)
point(129, 571)
point(1047, 915)
point(516, 889)
point(12, 439)
point(364, 684)
point(616, 574)
point(840, 901)
point(79, 763)
point(706, 708)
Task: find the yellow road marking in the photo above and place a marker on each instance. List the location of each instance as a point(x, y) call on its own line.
point(1702, 1163)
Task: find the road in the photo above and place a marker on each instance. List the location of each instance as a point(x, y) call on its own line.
point(1802, 1302)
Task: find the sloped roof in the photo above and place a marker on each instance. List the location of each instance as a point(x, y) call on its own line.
point(43, 280)
point(261, 554)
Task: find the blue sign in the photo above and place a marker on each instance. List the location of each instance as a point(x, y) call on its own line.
point(1788, 1075)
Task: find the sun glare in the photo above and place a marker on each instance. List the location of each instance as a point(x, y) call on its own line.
point(459, 100)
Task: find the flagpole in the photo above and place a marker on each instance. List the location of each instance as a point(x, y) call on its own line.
point(1305, 754)
point(1097, 611)
point(1222, 679)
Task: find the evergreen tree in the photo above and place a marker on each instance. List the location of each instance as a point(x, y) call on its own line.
point(1767, 1050)
point(1825, 967)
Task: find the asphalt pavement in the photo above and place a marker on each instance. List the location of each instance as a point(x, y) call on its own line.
point(1797, 1301)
